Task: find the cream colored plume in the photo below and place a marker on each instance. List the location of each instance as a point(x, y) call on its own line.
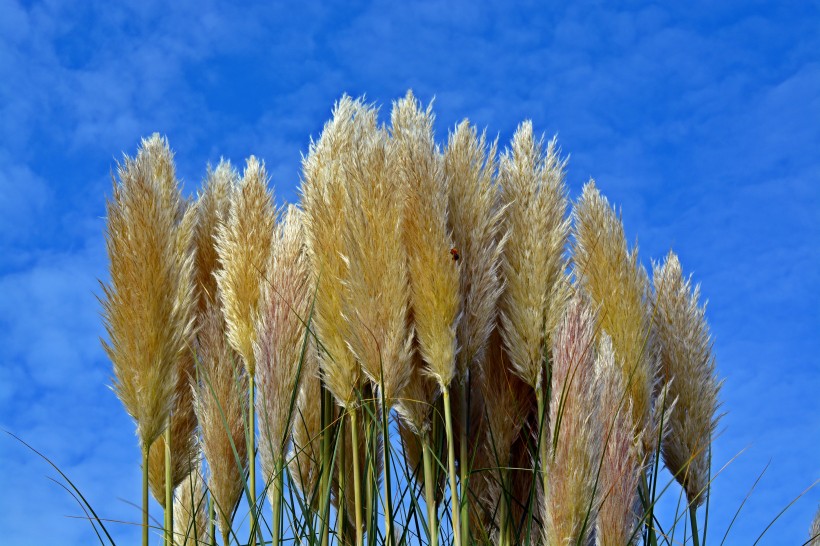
point(243, 244)
point(533, 263)
point(146, 305)
point(213, 206)
point(287, 295)
point(191, 511)
point(814, 532)
point(617, 283)
point(571, 501)
point(323, 190)
point(475, 221)
point(377, 283)
point(183, 423)
point(221, 405)
point(620, 466)
point(688, 367)
point(433, 271)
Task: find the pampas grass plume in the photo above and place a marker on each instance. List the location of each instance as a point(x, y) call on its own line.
point(688, 367)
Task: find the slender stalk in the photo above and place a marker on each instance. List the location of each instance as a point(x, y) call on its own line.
point(451, 463)
point(252, 457)
point(357, 492)
point(169, 489)
point(145, 496)
point(693, 517)
point(226, 536)
point(388, 509)
point(212, 519)
point(504, 511)
point(327, 473)
point(341, 512)
point(542, 438)
point(430, 491)
point(464, 465)
point(370, 471)
point(649, 513)
point(277, 504)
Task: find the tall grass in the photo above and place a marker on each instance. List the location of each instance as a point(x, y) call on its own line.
point(408, 271)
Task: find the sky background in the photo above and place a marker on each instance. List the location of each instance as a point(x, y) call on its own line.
point(700, 119)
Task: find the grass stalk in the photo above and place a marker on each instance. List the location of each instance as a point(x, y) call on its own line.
point(252, 457)
point(451, 463)
point(370, 476)
point(341, 512)
point(169, 489)
point(211, 519)
point(277, 504)
point(693, 517)
point(357, 492)
point(542, 438)
point(464, 466)
point(326, 477)
point(145, 496)
point(388, 499)
point(429, 490)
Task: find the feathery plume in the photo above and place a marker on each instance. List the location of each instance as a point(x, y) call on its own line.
point(323, 189)
point(433, 270)
point(620, 466)
point(184, 448)
point(688, 368)
point(213, 206)
point(243, 244)
point(220, 402)
point(575, 439)
point(305, 457)
point(191, 511)
point(147, 324)
point(611, 275)
point(534, 195)
point(376, 307)
point(475, 221)
point(284, 310)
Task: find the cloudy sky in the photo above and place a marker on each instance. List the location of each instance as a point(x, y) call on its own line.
point(700, 119)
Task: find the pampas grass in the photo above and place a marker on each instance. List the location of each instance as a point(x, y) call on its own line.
point(405, 272)
point(575, 446)
point(243, 245)
point(221, 406)
point(278, 348)
point(146, 305)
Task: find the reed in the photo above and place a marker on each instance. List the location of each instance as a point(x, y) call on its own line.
point(475, 222)
point(278, 349)
point(575, 441)
point(533, 263)
point(243, 245)
point(144, 304)
point(433, 268)
point(620, 464)
point(221, 406)
point(323, 200)
point(688, 368)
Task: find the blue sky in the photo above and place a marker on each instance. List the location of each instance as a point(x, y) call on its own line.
point(700, 119)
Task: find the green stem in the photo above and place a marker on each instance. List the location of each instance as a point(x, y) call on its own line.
point(145, 496)
point(464, 465)
point(451, 464)
point(226, 536)
point(503, 511)
point(693, 517)
point(430, 491)
point(388, 510)
point(327, 473)
point(649, 512)
point(341, 511)
point(169, 489)
point(252, 457)
point(542, 439)
point(212, 519)
point(277, 503)
point(370, 472)
point(357, 492)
